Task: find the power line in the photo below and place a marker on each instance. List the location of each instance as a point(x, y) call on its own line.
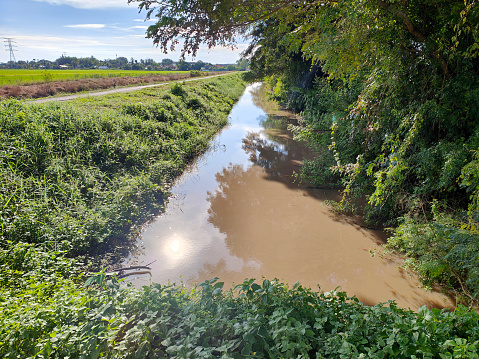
point(11, 47)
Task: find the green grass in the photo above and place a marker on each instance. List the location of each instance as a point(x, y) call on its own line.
point(83, 176)
point(20, 77)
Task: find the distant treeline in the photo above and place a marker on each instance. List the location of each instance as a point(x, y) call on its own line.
point(124, 64)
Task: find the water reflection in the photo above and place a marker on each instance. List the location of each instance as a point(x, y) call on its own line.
point(294, 239)
point(238, 213)
point(274, 153)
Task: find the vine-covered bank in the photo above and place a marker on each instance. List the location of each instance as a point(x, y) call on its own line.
point(58, 319)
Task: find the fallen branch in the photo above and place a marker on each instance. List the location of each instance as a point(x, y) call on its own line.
point(152, 262)
point(130, 267)
point(134, 273)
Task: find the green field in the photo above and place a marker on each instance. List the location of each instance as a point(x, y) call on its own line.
point(20, 77)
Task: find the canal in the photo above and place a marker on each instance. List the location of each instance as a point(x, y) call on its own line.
point(238, 212)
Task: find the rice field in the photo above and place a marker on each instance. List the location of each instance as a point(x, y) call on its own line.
point(21, 77)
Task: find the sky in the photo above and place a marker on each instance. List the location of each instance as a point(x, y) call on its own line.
point(105, 29)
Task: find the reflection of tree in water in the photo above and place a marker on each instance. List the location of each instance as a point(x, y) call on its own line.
point(230, 180)
point(277, 153)
point(244, 210)
point(260, 98)
point(276, 122)
point(261, 219)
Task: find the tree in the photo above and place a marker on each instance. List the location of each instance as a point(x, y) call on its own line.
point(197, 65)
point(167, 62)
point(207, 22)
point(242, 64)
point(122, 61)
point(418, 25)
point(183, 65)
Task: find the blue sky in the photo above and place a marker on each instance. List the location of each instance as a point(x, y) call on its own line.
point(46, 29)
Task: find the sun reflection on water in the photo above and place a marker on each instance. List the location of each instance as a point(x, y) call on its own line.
point(175, 246)
point(176, 249)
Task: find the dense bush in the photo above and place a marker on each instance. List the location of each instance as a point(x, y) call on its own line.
point(267, 320)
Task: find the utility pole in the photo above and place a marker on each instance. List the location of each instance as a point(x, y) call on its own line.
point(11, 47)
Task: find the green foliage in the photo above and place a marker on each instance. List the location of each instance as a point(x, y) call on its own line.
point(444, 251)
point(195, 73)
point(178, 90)
point(266, 320)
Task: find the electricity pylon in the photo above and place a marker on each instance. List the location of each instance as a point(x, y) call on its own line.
point(11, 47)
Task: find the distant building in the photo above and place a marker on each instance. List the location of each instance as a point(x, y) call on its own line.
point(64, 66)
point(103, 67)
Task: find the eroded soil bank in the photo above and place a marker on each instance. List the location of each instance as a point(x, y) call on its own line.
point(240, 213)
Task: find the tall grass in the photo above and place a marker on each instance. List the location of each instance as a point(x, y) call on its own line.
point(83, 177)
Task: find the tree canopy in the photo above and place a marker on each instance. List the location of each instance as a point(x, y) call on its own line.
point(210, 23)
point(419, 26)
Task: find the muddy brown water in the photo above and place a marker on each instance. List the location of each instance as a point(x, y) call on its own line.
point(238, 213)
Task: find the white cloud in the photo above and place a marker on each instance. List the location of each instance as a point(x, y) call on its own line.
point(87, 26)
point(57, 42)
point(130, 29)
point(89, 4)
point(142, 36)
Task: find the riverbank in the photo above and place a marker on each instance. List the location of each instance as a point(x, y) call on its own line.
point(79, 179)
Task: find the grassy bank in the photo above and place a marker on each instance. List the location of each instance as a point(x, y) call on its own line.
point(83, 176)
point(78, 180)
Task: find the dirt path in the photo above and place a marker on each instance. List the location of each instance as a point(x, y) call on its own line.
point(116, 90)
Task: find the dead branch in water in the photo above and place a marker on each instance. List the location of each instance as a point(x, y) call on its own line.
point(130, 267)
point(134, 273)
